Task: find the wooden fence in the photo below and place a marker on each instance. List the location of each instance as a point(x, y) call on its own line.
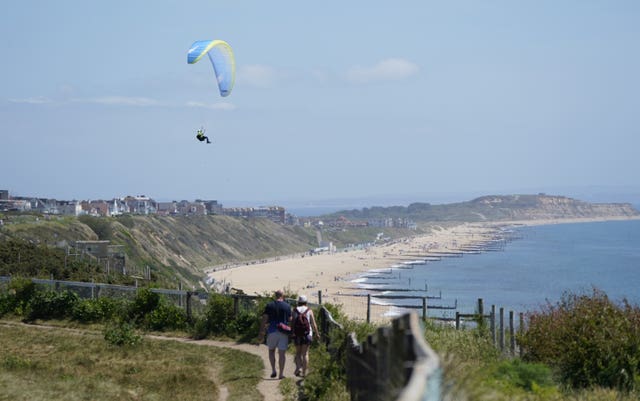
point(500, 334)
point(395, 363)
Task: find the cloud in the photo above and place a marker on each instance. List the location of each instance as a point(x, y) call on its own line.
point(212, 106)
point(259, 76)
point(121, 100)
point(32, 100)
point(391, 69)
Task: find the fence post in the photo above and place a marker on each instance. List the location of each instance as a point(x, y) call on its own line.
point(424, 308)
point(189, 306)
point(501, 329)
point(180, 296)
point(236, 306)
point(493, 324)
point(368, 308)
point(457, 320)
point(512, 334)
point(521, 331)
point(481, 308)
point(319, 297)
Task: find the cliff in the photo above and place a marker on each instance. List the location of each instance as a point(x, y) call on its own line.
point(180, 247)
point(499, 208)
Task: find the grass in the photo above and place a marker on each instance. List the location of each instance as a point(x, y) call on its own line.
point(58, 364)
point(474, 371)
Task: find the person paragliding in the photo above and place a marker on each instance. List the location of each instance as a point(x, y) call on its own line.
point(201, 136)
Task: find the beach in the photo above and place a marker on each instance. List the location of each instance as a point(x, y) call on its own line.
point(332, 274)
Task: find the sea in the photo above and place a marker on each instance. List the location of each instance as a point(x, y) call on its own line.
point(537, 267)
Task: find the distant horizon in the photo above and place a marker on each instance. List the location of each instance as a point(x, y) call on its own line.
point(310, 207)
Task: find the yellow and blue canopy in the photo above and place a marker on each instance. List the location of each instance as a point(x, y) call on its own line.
point(222, 60)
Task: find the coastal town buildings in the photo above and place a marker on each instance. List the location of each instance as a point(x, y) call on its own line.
point(145, 205)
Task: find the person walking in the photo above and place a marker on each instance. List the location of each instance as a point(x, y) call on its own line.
point(304, 329)
point(275, 320)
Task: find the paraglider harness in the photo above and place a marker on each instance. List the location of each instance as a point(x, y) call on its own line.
point(201, 136)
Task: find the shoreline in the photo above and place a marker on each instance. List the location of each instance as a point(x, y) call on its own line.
point(333, 273)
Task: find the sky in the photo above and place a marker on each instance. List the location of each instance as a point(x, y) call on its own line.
point(376, 101)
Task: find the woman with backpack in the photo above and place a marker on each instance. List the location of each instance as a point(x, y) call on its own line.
point(304, 329)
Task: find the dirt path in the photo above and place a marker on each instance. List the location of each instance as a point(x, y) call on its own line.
point(268, 387)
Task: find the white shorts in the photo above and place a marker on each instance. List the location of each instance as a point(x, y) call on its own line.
point(278, 340)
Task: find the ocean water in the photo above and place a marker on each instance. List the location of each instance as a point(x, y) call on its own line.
point(541, 265)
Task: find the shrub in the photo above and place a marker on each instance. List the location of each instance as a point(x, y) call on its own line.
point(51, 305)
point(121, 333)
point(219, 315)
point(589, 339)
point(21, 290)
point(86, 311)
point(145, 302)
point(166, 316)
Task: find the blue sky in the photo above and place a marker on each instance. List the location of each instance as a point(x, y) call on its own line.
point(407, 100)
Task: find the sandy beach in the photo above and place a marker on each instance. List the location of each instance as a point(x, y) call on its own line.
point(333, 273)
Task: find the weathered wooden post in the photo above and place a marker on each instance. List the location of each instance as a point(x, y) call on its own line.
point(424, 308)
point(319, 297)
point(189, 293)
point(512, 334)
point(521, 331)
point(457, 320)
point(493, 325)
point(236, 305)
point(501, 329)
point(368, 308)
point(180, 295)
point(481, 309)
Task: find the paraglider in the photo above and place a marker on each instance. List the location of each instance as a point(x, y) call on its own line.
point(201, 136)
point(222, 60)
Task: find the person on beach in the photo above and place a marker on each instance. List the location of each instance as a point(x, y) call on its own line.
point(276, 312)
point(303, 334)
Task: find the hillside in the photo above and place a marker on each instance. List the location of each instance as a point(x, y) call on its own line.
point(179, 248)
point(498, 208)
point(174, 248)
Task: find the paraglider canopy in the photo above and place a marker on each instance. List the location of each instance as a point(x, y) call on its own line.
point(222, 60)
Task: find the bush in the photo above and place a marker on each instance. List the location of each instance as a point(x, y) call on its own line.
point(166, 316)
point(121, 333)
point(21, 290)
point(145, 302)
point(219, 315)
point(589, 339)
point(98, 310)
point(51, 305)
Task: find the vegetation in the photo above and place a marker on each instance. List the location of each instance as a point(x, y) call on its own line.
point(22, 258)
point(44, 364)
point(583, 348)
point(588, 339)
point(494, 208)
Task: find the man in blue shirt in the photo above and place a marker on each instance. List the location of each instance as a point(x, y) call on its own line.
point(276, 312)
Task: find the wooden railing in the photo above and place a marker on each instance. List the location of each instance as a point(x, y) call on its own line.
point(395, 363)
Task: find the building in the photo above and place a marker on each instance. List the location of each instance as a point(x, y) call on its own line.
point(277, 214)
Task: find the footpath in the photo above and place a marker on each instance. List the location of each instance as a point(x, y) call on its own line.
point(268, 387)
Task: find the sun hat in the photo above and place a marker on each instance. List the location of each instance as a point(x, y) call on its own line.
point(302, 299)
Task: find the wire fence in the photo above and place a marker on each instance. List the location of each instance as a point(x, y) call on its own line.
point(193, 302)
